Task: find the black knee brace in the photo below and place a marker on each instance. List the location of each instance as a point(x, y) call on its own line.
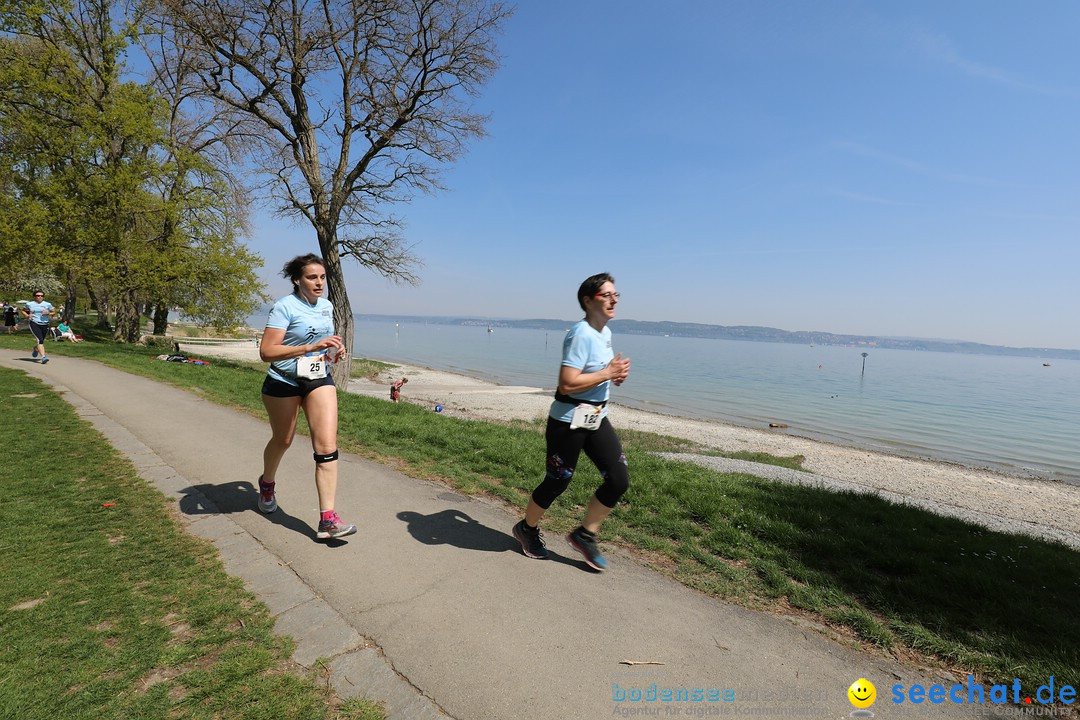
point(329, 457)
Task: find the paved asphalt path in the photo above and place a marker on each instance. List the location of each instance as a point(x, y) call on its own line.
point(432, 609)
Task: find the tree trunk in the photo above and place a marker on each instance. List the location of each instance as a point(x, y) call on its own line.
point(128, 327)
point(161, 319)
point(70, 298)
point(339, 296)
point(101, 303)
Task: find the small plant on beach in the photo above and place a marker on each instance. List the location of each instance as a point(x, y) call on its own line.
point(159, 342)
point(187, 330)
point(792, 462)
point(654, 443)
point(369, 369)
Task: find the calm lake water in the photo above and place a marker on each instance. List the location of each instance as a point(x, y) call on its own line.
point(1006, 413)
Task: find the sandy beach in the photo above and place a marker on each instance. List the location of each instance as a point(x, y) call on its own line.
point(1040, 508)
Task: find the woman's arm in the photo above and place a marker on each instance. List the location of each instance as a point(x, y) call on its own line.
point(573, 380)
point(271, 349)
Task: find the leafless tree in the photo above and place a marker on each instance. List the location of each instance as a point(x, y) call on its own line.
point(352, 107)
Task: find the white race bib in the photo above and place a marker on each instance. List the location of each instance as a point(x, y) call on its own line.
point(586, 416)
point(311, 367)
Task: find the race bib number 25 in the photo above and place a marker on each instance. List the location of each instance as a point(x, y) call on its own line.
point(311, 367)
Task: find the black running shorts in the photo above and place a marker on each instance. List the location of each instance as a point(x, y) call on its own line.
point(276, 388)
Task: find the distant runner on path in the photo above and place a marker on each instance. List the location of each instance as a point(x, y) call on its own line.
point(578, 421)
point(299, 343)
point(38, 311)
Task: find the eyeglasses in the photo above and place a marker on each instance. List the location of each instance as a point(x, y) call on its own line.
point(39, 295)
point(608, 295)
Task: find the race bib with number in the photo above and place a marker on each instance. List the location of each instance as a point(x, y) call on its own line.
point(586, 416)
point(311, 366)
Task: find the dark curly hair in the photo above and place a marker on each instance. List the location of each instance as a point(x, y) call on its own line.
point(294, 269)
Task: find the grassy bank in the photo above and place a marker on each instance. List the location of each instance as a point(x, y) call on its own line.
point(107, 608)
point(906, 581)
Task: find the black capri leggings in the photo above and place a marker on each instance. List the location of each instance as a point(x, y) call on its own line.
point(564, 446)
point(40, 332)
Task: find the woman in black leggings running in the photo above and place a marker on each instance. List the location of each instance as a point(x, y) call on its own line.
point(578, 421)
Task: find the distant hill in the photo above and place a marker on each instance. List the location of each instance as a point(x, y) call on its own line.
point(752, 333)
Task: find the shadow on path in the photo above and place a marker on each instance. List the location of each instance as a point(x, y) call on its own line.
point(453, 527)
point(241, 496)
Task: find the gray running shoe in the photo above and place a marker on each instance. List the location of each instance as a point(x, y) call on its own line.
point(532, 542)
point(267, 498)
point(585, 543)
point(44, 359)
point(334, 528)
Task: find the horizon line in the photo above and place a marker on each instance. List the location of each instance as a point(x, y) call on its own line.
point(715, 325)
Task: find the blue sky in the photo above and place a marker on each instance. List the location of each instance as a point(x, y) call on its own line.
point(907, 169)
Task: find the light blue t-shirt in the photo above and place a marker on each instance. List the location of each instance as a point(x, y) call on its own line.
point(588, 351)
point(37, 310)
point(304, 324)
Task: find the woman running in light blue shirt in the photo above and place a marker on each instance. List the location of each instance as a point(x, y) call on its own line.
point(578, 421)
point(38, 311)
point(299, 343)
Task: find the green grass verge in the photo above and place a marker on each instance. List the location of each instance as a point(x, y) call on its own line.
point(107, 608)
point(365, 368)
point(902, 579)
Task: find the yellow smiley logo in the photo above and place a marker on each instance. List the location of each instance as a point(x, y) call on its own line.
point(862, 693)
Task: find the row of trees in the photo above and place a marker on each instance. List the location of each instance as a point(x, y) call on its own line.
point(334, 110)
point(103, 182)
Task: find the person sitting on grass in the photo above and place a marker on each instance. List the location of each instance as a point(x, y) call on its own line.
point(67, 333)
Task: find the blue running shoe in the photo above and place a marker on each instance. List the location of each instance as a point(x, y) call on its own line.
point(585, 543)
point(35, 351)
point(44, 359)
